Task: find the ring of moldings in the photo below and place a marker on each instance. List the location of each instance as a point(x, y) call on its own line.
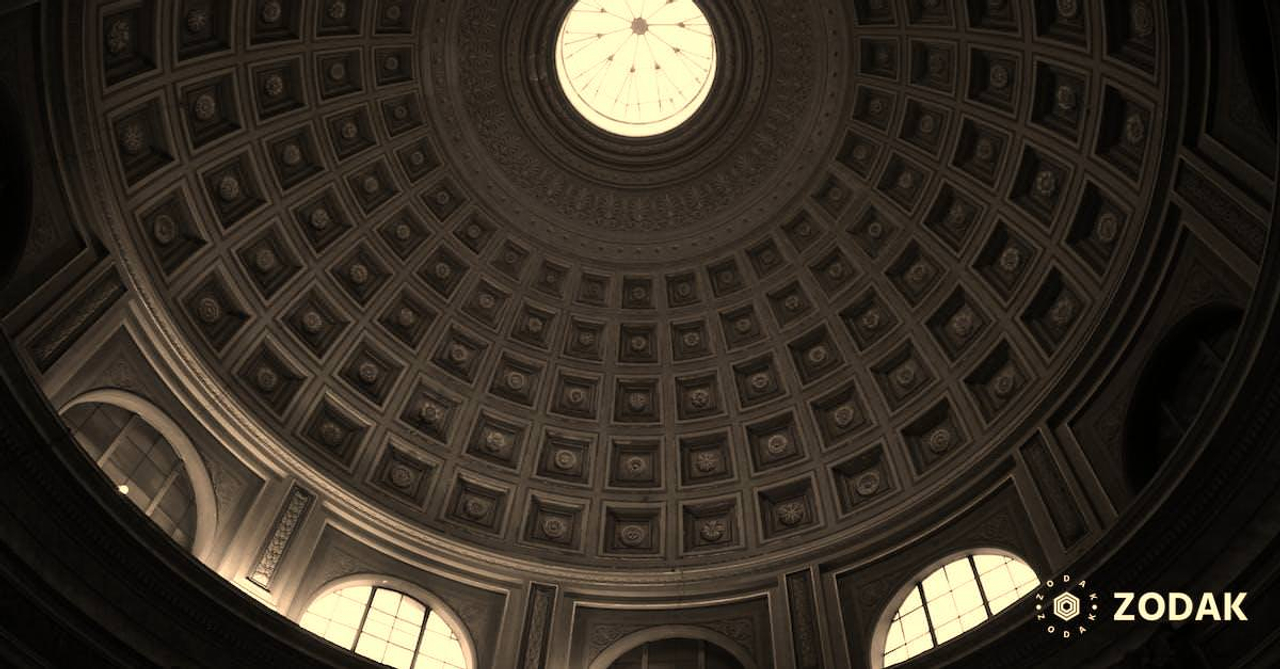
point(749, 134)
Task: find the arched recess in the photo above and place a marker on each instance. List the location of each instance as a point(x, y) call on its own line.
point(1173, 386)
point(905, 591)
point(433, 603)
point(201, 483)
point(15, 185)
point(630, 642)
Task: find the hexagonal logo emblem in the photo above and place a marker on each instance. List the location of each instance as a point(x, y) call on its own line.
point(1066, 606)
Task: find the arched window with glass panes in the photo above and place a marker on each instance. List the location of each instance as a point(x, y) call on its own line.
point(141, 462)
point(388, 626)
point(948, 601)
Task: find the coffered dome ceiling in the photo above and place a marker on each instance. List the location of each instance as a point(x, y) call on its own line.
point(384, 247)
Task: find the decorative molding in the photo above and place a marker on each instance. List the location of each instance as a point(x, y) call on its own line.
point(537, 626)
point(297, 503)
point(73, 320)
point(805, 637)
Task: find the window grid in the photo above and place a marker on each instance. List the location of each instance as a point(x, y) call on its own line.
point(386, 626)
point(952, 600)
point(141, 463)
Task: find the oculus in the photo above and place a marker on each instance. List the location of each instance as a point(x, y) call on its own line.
point(636, 68)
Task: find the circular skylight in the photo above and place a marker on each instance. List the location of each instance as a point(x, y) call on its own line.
point(636, 68)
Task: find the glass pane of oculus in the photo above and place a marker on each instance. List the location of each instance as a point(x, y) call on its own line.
point(638, 68)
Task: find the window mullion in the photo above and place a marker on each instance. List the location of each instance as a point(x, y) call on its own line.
point(120, 437)
point(422, 631)
point(164, 488)
point(368, 606)
point(982, 592)
point(924, 604)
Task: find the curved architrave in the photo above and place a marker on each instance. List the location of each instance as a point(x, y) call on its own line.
point(630, 642)
point(432, 602)
point(197, 473)
point(881, 630)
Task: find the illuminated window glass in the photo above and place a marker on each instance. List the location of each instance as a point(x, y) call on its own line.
point(140, 462)
point(385, 626)
point(636, 67)
point(953, 600)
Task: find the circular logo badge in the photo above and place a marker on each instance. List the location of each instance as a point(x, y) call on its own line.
point(1066, 606)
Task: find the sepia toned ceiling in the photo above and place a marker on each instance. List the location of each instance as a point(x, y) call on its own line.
point(374, 233)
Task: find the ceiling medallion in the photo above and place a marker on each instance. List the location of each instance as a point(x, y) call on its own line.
point(636, 69)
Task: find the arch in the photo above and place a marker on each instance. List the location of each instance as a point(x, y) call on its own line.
point(881, 631)
point(1174, 383)
point(201, 483)
point(432, 602)
point(630, 642)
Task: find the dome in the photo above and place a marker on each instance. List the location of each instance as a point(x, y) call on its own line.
point(645, 301)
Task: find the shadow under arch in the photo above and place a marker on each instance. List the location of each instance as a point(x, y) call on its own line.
point(630, 642)
point(1172, 388)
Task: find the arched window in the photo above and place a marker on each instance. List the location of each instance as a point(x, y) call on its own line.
point(1174, 386)
point(677, 654)
point(386, 626)
point(953, 599)
point(141, 463)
